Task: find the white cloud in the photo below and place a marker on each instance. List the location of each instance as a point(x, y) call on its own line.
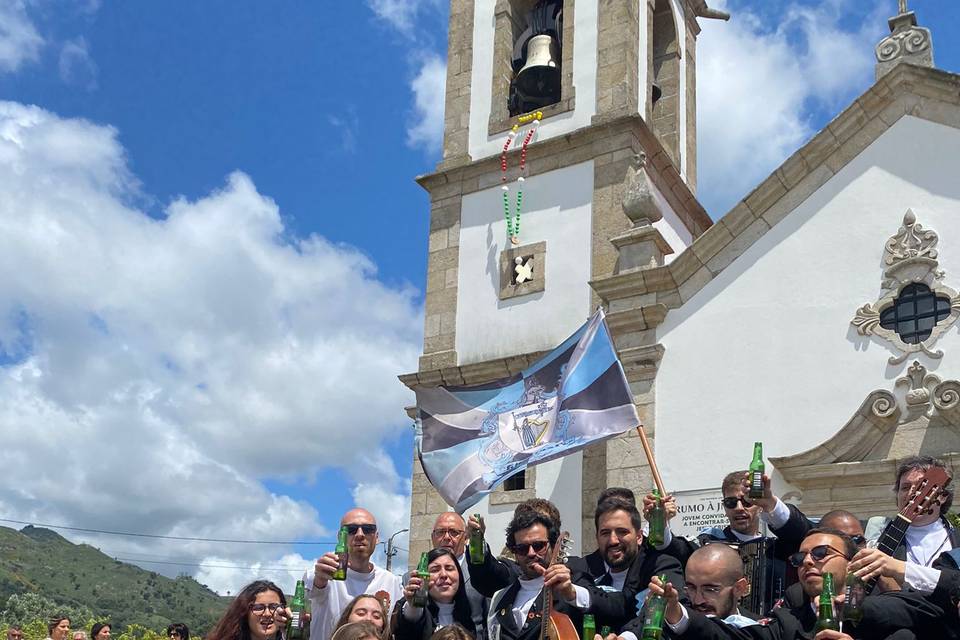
point(77, 68)
point(19, 40)
point(154, 371)
point(400, 14)
point(348, 126)
point(759, 89)
point(429, 89)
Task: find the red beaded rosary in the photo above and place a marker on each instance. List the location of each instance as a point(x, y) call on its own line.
point(513, 222)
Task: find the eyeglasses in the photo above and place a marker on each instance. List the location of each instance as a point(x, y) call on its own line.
point(731, 502)
point(260, 607)
point(523, 548)
point(818, 553)
point(453, 533)
point(368, 529)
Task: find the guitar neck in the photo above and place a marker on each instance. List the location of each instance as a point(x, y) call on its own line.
point(889, 540)
point(547, 605)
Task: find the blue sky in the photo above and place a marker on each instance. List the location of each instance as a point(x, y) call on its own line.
point(214, 250)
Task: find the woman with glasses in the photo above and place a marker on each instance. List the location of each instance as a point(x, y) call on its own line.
point(259, 612)
point(178, 631)
point(365, 607)
point(447, 601)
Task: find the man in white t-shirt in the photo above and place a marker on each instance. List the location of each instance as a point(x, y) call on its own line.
point(328, 598)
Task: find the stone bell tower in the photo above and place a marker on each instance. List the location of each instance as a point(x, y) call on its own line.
point(528, 209)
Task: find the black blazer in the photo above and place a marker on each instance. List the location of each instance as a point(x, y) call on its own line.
point(502, 609)
point(493, 574)
point(616, 608)
point(423, 628)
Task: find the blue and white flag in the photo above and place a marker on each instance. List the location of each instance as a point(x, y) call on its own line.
point(470, 439)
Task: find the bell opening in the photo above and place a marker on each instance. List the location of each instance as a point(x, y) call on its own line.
point(536, 80)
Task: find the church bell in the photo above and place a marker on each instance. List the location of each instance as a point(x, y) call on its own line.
point(540, 75)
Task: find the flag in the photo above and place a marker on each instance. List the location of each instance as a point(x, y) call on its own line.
point(470, 439)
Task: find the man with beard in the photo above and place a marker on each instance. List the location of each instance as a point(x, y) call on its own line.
point(620, 568)
point(329, 597)
point(515, 611)
point(890, 615)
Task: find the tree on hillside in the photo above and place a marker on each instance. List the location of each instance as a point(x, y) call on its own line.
point(22, 608)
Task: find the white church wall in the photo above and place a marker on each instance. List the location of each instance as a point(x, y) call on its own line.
point(556, 209)
point(482, 145)
point(673, 230)
point(558, 481)
point(766, 350)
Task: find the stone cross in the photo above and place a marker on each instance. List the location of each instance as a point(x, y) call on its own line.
point(523, 270)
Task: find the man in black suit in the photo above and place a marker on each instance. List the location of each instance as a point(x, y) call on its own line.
point(621, 567)
point(890, 615)
point(516, 610)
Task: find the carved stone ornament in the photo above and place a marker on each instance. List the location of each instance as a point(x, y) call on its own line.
point(911, 258)
point(639, 203)
point(906, 43)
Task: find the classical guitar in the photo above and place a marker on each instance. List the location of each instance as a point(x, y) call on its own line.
point(555, 625)
point(927, 492)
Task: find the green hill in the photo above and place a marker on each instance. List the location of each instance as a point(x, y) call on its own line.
point(36, 560)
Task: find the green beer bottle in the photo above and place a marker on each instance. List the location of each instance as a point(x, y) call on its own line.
point(653, 615)
point(343, 557)
point(658, 522)
point(756, 471)
point(589, 627)
point(423, 593)
point(826, 618)
point(854, 593)
point(605, 631)
point(476, 543)
point(297, 606)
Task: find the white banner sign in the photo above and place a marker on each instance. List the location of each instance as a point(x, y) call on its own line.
point(698, 510)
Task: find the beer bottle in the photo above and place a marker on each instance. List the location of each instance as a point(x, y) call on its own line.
point(423, 593)
point(653, 615)
point(658, 522)
point(297, 606)
point(343, 556)
point(826, 618)
point(756, 471)
point(854, 593)
point(476, 543)
point(589, 627)
point(605, 631)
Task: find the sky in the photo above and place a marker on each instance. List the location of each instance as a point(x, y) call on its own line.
point(213, 251)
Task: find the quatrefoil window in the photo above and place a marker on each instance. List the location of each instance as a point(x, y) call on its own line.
point(914, 313)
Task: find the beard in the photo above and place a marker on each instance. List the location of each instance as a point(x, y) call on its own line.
point(529, 573)
point(623, 561)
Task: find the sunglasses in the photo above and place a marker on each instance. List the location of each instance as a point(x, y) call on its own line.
point(818, 553)
point(859, 540)
point(523, 548)
point(260, 607)
point(731, 502)
point(368, 529)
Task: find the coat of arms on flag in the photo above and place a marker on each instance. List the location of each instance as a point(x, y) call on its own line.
point(472, 438)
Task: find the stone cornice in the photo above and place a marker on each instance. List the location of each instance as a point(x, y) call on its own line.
point(573, 148)
point(475, 373)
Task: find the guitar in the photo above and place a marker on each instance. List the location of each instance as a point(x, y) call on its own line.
point(925, 495)
point(555, 625)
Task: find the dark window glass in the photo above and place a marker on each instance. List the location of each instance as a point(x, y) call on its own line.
point(915, 313)
point(516, 482)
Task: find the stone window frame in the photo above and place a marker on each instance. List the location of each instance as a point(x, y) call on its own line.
point(538, 252)
point(499, 496)
point(500, 119)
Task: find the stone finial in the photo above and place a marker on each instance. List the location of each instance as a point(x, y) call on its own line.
point(639, 203)
point(906, 43)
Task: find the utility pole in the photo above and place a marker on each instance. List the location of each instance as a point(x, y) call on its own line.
point(391, 550)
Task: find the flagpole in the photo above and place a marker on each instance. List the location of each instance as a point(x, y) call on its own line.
point(653, 463)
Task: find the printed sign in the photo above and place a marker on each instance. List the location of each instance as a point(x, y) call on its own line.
point(698, 510)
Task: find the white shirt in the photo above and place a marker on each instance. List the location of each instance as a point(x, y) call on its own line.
point(775, 519)
point(328, 603)
point(924, 546)
point(530, 589)
point(617, 577)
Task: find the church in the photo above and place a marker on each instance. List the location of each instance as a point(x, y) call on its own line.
point(818, 315)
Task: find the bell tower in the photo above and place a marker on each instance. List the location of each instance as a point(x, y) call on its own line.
point(569, 156)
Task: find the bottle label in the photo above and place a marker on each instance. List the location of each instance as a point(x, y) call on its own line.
point(756, 482)
point(295, 620)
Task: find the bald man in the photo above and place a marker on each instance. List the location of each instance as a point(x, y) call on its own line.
point(328, 598)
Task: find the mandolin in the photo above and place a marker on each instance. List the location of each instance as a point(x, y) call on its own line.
point(555, 625)
point(925, 494)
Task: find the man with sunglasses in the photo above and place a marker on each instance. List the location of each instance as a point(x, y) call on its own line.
point(329, 597)
point(891, 615)
point(515, 611)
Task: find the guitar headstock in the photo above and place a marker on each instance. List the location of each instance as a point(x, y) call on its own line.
point(926, 493)
point(562, 549)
